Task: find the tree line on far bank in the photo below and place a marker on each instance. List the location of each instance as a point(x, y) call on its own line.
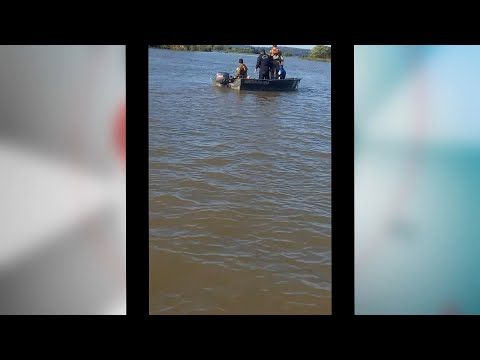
point(208, 48)
point(319, 52)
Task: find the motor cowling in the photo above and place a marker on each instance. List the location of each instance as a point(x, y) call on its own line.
point(222, 78)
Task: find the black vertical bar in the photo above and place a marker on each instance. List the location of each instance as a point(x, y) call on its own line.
point(342, 179)
point(137, 178)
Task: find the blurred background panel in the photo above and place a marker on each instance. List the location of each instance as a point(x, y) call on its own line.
point(62, 161)
point(417, 170)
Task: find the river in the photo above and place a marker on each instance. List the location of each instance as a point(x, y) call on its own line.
point(240, 189)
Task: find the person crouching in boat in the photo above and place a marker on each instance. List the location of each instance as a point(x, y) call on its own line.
point(241, 71)
point(264, 62)
point(282, 73)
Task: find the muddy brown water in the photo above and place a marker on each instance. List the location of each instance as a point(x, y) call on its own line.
point(240, 187)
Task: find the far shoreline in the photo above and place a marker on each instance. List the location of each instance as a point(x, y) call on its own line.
point(246, 53)
point(317, 59)
point(236, 52)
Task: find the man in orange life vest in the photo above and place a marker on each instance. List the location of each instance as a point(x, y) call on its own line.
point(241, 70)
point(277, 58)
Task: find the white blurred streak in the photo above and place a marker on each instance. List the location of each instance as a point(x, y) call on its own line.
point(62, 237)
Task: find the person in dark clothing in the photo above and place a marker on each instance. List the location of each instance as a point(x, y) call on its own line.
point(264, 62)
point(241, 71)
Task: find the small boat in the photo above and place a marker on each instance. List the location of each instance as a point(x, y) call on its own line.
point(225, 80)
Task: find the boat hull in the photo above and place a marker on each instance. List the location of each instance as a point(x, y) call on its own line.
point(265, 85)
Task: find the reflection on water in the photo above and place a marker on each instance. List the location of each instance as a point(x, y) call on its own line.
point(239, 190)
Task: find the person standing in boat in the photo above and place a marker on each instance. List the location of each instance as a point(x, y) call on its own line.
point(277, 58)
point(264, 63)
point(241, 71)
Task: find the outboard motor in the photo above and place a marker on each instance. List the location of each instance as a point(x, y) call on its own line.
point(222, 78)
